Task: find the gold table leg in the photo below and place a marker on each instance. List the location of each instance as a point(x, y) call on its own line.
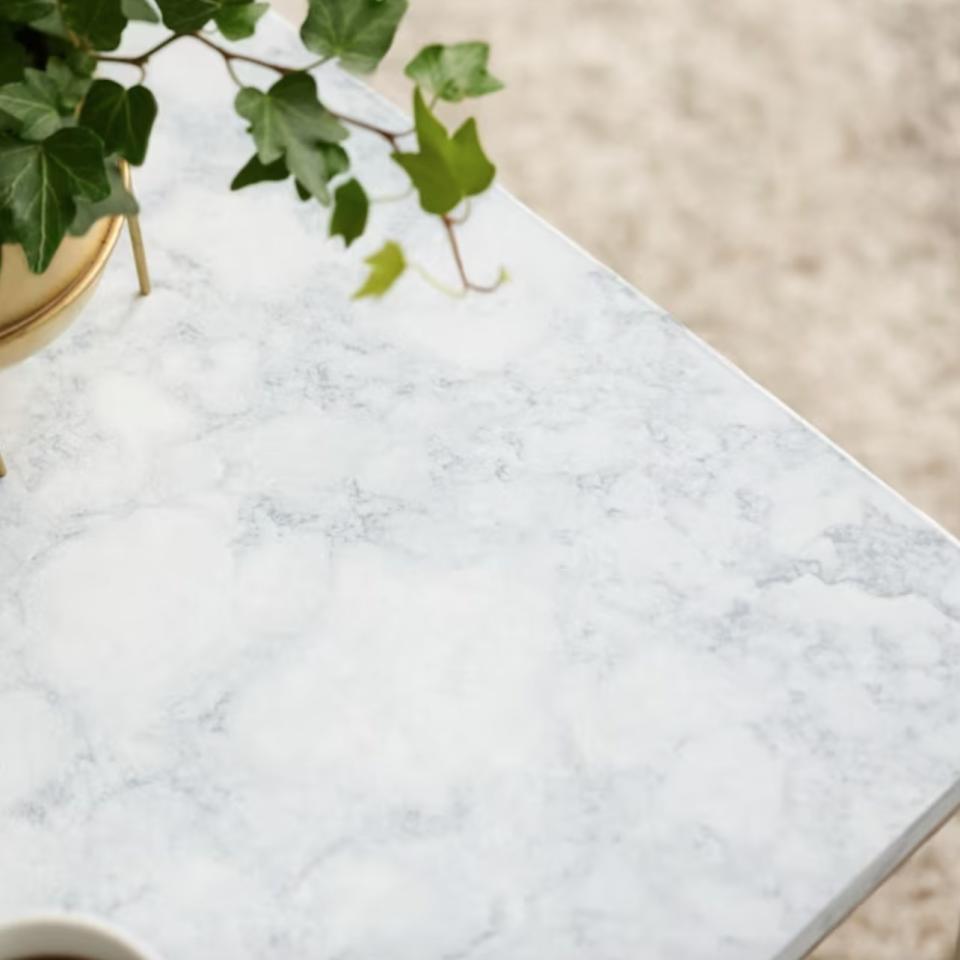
point(136, 241)
point(3, 467)
point(139, 254)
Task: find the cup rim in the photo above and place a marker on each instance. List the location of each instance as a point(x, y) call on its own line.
point(77, 921)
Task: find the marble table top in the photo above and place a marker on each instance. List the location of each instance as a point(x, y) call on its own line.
point(521, 627)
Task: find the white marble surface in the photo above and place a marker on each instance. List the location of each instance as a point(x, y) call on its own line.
point(516, 628)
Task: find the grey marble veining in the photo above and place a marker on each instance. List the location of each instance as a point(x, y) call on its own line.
point(511, 628)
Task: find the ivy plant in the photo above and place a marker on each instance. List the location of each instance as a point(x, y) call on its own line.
point(63, 128)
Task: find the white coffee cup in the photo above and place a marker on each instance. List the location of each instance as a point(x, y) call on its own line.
point(67, 935)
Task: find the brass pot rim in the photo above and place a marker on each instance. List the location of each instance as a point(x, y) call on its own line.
point(82, 282)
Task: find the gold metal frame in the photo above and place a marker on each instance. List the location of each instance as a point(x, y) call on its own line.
point(34, 331)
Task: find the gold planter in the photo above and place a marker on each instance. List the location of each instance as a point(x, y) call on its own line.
point(35, 309)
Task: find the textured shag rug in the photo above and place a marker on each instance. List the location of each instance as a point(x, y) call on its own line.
point(785, 178)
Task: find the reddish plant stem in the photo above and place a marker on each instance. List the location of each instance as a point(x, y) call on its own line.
point(449, 224)
point(455, 248)
point(387, 135)
point(229, 56)
point(142, 58)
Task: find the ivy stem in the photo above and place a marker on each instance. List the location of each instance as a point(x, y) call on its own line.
point(229, 57)
point(388, 135)
point(455, 248)
point(142, 58)
point(449, 225)
point(435, 283)
point(233, 73)
point(393, 197)
point(462, 219)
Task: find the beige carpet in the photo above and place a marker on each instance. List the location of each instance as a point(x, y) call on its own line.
point(785, 178)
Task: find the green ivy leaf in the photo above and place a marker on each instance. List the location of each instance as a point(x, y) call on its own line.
point(453, 72)
point(386, 266)
point(237, 21)
point(358, 32)
point(43, 101)
point(72, 87)
point(315, 168)
point(34, 103)
point(335, 162)
point(350, 209)
point(13, 56)
point(473, 171)
point(118, 202)
point(446, 169)
point(25, 11)
point(6, 232)
point(121, 118)
point(139, 10)
point(289, 112)
point(253, 171)
point(53, 25)
point(187, 16)
point(289, 121)
point(99, 22)
point(39, 183)
point(429, 169)
point(81, 63)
